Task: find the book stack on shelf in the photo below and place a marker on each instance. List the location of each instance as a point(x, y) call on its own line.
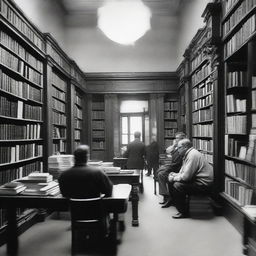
point(78, 118)
point(239, 54)
point(98, 127)
point(12, 188)
point(170, 119)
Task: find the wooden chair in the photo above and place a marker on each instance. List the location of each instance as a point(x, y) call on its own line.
point(88, 221)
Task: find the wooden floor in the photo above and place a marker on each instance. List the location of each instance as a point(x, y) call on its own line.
point(157, 235)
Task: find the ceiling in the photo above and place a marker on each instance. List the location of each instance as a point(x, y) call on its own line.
point(159, 7)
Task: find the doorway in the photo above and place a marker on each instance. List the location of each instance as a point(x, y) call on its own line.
point(134, 117)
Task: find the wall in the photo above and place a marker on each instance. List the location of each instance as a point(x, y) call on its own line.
point(94, 52)
point(190, 21)
point(47, 15)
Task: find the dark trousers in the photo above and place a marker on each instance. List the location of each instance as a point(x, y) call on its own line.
point(152, 166)
point(180, 190)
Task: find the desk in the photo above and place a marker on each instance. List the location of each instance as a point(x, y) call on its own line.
point(134, 180)
point(115, 204)
point(120, 162)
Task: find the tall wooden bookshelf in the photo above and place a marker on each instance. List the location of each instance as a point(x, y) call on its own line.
point(58, 95)
point(21, 100)
point(98, 141)
point(170, 118)
point(239, 31)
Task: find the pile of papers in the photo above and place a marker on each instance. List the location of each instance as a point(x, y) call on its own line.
point(59, 163)
point(12, 188)
point(250, 211)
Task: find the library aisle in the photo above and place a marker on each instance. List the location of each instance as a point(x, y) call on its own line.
point(158, 234)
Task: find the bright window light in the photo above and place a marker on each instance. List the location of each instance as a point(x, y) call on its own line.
point(124, 21)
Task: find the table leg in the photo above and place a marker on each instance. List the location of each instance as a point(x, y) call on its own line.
point(245, 235)
point(12, 232)
point(135, 200)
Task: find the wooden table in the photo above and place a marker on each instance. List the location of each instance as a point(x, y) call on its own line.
point(115, 204)
point(134, 180)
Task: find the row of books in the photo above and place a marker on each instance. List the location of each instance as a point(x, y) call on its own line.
point(253, 120)
point(20, 132)
point(98, 114)
point(19, 109)
point(203, 130)
point(59, 118)
point(170, 105)
point(170, 124)
point(77, 135)
point(19, 88)
point(203, 89)
point(58, 105)
point(16, 47)
point(98, 134)
point(201, 73)
point(205, 145)
point(254, 99)
point(235, 105)
point(12, 154)
point(170, 132)
point(78, 100)
point(203, 102)
point(21, 25)
point(58, 58)
point(241, 171)
point(242, 35)
point(98, 124)
point(58, 82)
point(8, 175)
point(59, 132)
point(11, 61)
point(58, 94)
point(251, 151)
point(98, 144)
point(59, 147)
point(236, 79)
point(200, 57)
point(235, 147)
point(208, 157)
point(240, 12)
point(241, 194)
point(170, 115)
point(98, 105)
point(77, 123)
point(203, 115)
point(236, 124)
point(78, 112)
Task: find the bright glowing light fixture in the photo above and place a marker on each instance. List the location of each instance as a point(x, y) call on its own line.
point(124, 21)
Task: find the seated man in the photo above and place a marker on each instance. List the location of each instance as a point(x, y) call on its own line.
point(174, 166)
point(194, 177)
point(83, 181)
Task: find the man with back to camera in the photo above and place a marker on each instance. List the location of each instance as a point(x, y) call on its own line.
point(194, 177)
point(83, 181)
point(135, 153)
point(174, 166)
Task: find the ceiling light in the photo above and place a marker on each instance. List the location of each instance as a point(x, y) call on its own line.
point(124, 21)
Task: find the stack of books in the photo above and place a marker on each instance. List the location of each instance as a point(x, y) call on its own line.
point(94, 163)
point(250, 211)
point(59, 163)
point(12, 188)
point(39, 184)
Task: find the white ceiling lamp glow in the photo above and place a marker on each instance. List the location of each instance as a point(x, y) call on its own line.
point(124, 21)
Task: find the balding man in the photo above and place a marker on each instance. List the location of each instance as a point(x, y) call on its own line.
point(194, 177)
point(83, 181)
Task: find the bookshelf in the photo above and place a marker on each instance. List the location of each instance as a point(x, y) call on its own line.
point(170, 118)
point(238, 39)
point(22, 59)
point(58, 93)
point(98, 142)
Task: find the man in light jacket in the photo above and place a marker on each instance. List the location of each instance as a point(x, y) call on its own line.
point(194, 177)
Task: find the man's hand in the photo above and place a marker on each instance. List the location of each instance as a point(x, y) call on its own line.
point(171, 177)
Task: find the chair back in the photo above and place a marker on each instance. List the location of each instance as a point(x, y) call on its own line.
point(90, 209)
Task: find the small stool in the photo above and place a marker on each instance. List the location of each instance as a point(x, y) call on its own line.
point(200, 206)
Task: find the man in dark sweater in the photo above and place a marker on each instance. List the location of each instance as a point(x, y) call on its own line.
point(83, 181)
point(135, 153)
